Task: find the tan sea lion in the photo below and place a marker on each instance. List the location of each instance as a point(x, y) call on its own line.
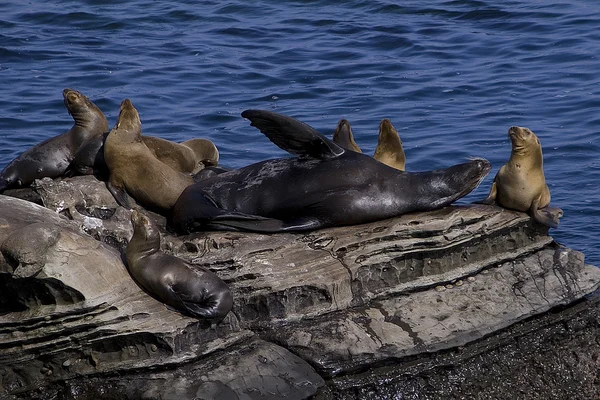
point(520, 183)
point(343, 136)
point(134, 170)
point(389, 146)
point(191, 289)
point(205, 150)
point(52, 157)
point(190, 156)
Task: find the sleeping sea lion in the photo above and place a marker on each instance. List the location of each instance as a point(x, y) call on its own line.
point(52, 157)
point(389, 146)
point(190, 289)
point(324, 186)
point(190, 156)
point(135, 171)
point(520, 183)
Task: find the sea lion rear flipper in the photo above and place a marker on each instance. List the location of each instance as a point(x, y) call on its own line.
point(548, 216)
point(491, 199)
point(121, 196)
point(292, 135)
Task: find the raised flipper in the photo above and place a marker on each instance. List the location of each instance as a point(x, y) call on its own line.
point(121, 195)
point(548, 216)
point(292, 135)
point(491, 199)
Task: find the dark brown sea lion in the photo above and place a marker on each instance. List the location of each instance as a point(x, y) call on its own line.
point(135, 171)
point(520, 183)
point(324, 186)
point(389, 146)
point(343, 136)
point(52, 157)
point(191, 289)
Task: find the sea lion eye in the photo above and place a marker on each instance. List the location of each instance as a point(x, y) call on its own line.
point(19, 182)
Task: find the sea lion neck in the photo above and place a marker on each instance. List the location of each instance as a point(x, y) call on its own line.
point(129, 126)
point(145, 239)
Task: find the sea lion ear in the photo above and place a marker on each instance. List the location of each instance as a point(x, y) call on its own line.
point(292, 135)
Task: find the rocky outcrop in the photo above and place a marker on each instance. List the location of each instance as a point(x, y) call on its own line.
point(361, 311)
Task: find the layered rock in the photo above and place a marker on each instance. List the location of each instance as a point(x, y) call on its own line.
point(313, 312)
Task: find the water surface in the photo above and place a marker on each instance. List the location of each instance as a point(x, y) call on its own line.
point(452, 76)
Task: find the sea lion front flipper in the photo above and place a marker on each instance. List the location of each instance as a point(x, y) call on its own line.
point(292, 135)
point(265, 225)
point(491, 199)
point(121, 195)
point(548, 216)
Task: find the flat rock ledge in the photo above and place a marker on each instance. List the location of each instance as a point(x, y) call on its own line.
point(464, 302)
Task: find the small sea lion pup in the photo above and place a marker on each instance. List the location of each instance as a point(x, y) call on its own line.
point(389, 146)
point(192, 290)
point(135, 171)
point(520, 183)
point(52, 157)
point(343, 136)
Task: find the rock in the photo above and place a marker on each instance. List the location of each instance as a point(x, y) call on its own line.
point(355, 312)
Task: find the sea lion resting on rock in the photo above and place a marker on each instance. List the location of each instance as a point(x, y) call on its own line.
point(52, 157)
point(190, 156)
point(324, 186)
point(520, 183)
point(389, 146)
point(133, 168)
point(191, 289)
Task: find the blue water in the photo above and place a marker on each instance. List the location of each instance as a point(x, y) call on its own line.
point(452, 76)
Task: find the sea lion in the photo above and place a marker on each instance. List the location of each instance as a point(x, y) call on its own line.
point(205, 151)
point(343, 136)
point(52, 157)
point(190, 156)
point(324, 186)
point(191, 289)
point(520, 183)
point(389, 146)
point(135, 171)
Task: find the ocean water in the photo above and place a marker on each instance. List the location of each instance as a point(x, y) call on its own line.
point(452, 76)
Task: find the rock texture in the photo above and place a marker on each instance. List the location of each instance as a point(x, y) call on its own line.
point(404, 307)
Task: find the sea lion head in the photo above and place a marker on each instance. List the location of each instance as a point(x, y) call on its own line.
point(84, 112)
point(142, 227)
point(389, 146)
point(523, 140)
point(205, 150)
point(128, 126)
point(459, 180)
point(343, 136)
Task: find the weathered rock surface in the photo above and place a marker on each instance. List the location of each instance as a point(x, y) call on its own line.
point(352, 312)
